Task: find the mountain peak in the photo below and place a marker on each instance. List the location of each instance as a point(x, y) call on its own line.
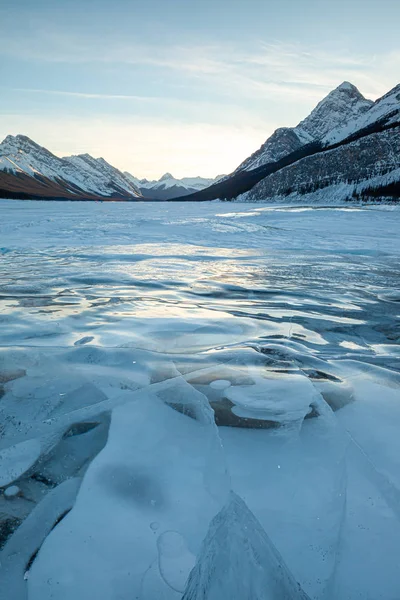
point(18, 137)
point(348, 87)
point(166, 176)
point(19, 140)
point(341, 105)
point(17, 144)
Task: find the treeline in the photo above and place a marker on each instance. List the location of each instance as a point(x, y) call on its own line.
point(390, 190)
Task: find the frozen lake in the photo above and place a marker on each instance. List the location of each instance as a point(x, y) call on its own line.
point(121, 324)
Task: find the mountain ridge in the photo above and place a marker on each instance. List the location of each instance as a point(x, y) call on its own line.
point(346, 140)
point(351, 121)
point(28, 169)
point(339, 106)
point(170, 187)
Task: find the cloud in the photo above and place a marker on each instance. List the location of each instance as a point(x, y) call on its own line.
point(275, 67)
point(85, 94)
point(246, 69)
point(265, 69)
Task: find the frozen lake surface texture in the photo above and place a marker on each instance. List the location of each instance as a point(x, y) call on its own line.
point(199, 401)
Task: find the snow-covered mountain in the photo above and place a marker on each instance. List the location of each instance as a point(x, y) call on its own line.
point(169, 187)
point(385, 110)
point(348, 145)
point(340, 107)
point(28, 170)
point(104, 175)
point(32, 170)
point(359, 159)
point(346, 141)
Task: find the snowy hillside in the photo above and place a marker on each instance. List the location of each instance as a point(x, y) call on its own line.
point(368, 161)
point(281, 143)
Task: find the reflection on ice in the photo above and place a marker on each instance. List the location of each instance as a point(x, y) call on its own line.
point(201, 404)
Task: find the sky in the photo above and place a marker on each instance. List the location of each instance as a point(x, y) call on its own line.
point(190, 87)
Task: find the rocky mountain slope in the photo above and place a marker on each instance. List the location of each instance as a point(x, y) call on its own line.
point(346, 141)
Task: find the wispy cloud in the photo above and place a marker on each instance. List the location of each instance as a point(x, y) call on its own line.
point(268, 69)
point(85, 94)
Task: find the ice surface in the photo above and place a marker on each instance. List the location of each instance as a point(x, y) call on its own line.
point(15, 557)
point(156, 467)
point(239, 561)
point(281, 320)
point(17, 459)
point(175, 560)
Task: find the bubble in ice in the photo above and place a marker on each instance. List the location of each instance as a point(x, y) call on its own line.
point(12, 491)
point(175, 560)
point(220, 384)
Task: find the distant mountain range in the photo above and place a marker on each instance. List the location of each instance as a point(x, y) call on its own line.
point(347, 148)
point(168, 187)
point(30, 171)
